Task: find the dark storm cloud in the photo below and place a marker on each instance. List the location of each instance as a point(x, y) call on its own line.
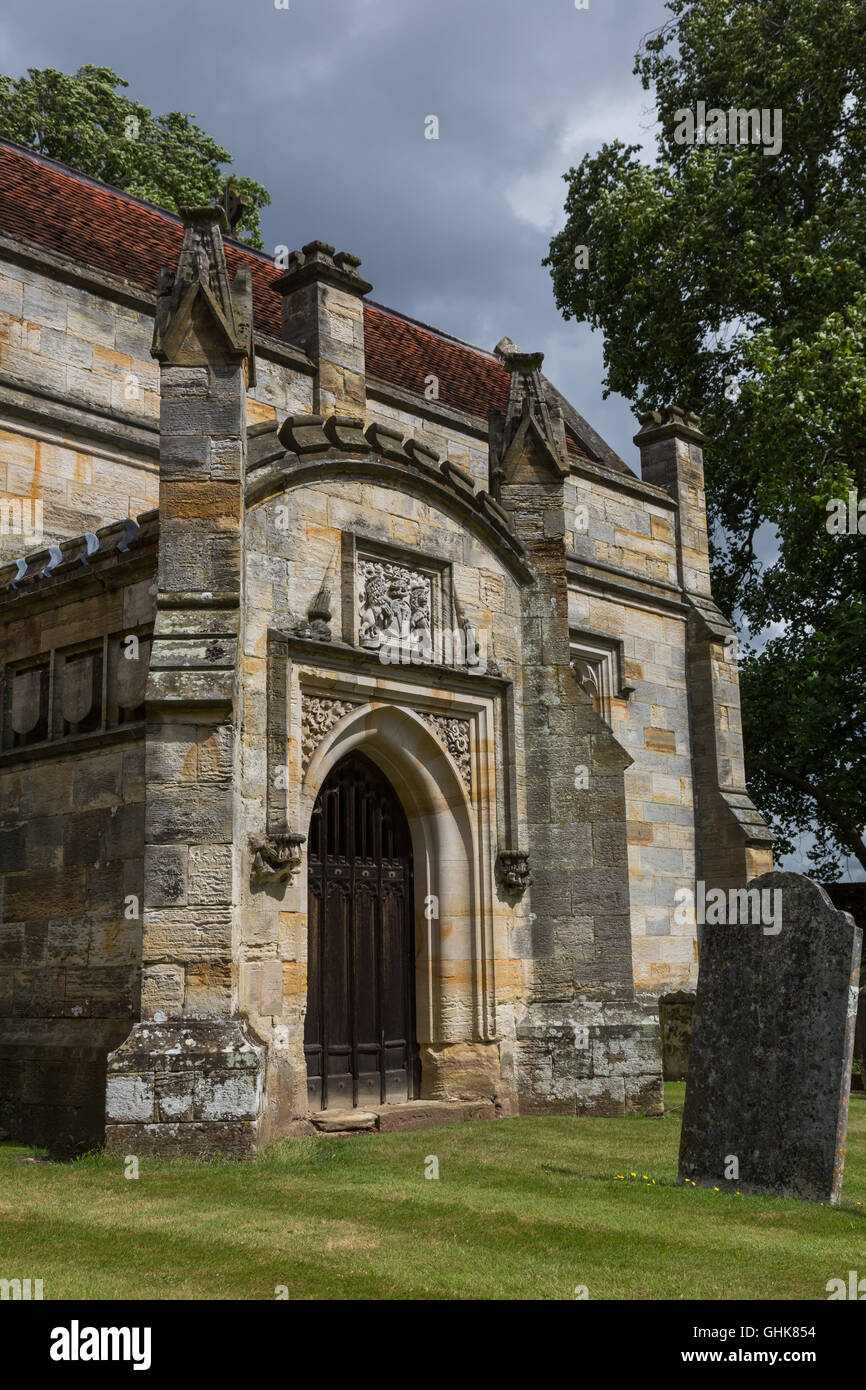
point(325, 102)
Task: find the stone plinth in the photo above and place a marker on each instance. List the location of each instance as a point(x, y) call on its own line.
point(185, 1088)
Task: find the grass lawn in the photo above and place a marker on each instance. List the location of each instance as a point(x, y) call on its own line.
point(526, 1208)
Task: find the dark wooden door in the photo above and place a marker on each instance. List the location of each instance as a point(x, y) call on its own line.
point(359, 1033)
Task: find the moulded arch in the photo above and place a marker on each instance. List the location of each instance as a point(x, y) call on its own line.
point(450, 975)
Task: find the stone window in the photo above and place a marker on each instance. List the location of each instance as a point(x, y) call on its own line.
point(85, 689)
point(26, 704)
point(597, 662)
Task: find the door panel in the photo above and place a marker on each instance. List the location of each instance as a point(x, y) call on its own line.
point(359, 1037)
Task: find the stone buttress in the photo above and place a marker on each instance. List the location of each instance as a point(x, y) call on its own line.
point(585, 1045)
point(733, 841)
point(189, 1077)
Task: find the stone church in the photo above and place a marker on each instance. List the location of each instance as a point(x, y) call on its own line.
point(362, 712)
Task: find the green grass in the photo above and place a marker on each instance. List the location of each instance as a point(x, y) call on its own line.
point(525, 1208)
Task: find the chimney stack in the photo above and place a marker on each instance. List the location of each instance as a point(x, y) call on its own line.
point(323, 313)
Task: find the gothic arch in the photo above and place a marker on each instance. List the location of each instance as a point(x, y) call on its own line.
point(449, 846)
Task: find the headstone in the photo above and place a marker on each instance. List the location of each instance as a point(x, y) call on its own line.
point(769, 1076)
point(675, 1021)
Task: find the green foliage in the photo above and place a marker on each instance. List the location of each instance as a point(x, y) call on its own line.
point(720, 261)
point(84, 121)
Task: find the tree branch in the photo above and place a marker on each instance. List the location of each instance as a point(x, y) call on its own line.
point(848, 833)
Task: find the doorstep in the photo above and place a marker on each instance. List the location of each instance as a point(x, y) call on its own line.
point(411, 1114)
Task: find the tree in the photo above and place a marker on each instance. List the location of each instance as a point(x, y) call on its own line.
point(84, 121)
point(730, 280)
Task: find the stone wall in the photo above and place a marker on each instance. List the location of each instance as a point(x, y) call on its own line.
point(79, 402)
point(298, 541)
point(640, 601)
point(71, 843)
point(634, 604)
point(526, 989)
point(62, 345)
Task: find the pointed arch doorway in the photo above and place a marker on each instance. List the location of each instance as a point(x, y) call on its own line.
point(359, 1032)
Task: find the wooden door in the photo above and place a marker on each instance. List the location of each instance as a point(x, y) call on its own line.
point(359, 1037)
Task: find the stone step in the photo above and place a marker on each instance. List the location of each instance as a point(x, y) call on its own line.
point(412, 1114)
point(343, 1121)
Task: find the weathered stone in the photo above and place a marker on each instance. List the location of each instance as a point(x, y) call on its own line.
point(343, 1121)
point(561, 787)
point(431, 1115)
point(165, 875)
point(676, 1012)
point(204, 1077)
point(772, 1042)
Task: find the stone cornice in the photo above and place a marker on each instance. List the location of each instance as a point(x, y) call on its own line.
point(89, 562)
point(667, 424)
point(622, 482)
point(73, 745)
point(34, 256)
point(340, 656)
point(41, 405)
point(435, 411)
point(621, 585)
point(316, 263)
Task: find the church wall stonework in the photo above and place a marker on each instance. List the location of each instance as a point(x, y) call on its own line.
point(94, 458)
point(90, 356)
point(349, 555)
point(72, 790)
point(295, 547)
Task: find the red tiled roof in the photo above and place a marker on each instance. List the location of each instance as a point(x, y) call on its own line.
point(406, 353)
point(99, 226)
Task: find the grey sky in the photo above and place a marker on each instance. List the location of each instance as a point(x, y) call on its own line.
point(325, 104)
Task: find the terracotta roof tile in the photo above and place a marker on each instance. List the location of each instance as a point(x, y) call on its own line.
point(45, 202)
point(406, 353)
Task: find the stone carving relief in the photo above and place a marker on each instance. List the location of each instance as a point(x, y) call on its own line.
point(454, 733)
point(394, 605)
point(319, 714)
point(276, 858)
point(512, 870)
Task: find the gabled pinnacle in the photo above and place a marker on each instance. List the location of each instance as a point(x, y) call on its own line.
point(202, 278)
point(528, 412)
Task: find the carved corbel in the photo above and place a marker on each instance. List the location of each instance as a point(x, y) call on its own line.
point(275, 858)
point(512, 870)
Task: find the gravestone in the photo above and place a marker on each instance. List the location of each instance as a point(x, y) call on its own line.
point(769, 1076)
point(675, 1021)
